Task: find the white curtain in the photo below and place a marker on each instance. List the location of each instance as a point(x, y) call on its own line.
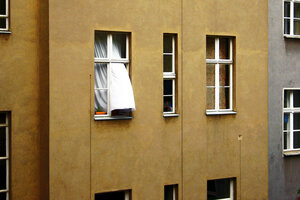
point(121, 92)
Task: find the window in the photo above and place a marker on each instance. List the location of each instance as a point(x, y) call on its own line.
point(291, 18)
point(220, 189)
point(118, 195)
point(291, 120)
point(219, 75)
point(4, 156)
point(171, 192)
point(4, 15)
point(113, 90)
point(169, 74)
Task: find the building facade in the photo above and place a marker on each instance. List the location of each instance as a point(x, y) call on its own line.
point(284, 85)
point(198, 73)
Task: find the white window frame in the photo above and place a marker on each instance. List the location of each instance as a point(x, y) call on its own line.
point(171, 76)
point(6, 17)
point(231, 191)
point(217, 61)
point(108, 61)
point(290, 150)
point(291, 18)
point(6, 125)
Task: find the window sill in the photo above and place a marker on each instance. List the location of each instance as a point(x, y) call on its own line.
point(220, 112)
point(291, 152)
point(166, 115)
point(5, 32)
point(291, 36)
point(104, 118)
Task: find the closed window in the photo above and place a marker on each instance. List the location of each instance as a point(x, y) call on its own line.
point(4, 156)
point(117, 195)
point(291, 120)
point(220, 189)
point(4, 17)
point(219, 74)
point(291, 17)
point(113, 89)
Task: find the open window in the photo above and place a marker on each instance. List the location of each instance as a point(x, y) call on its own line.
point(4, 17)
point(113, 90)
point(220, 189)
point(171, 192)
point(291, 18)
point(117, 195)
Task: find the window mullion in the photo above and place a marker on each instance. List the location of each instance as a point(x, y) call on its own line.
point(109, 73)
point(230, 90)
point(292, 18)
point(217, 93)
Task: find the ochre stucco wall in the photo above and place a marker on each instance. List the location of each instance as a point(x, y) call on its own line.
point(144, 154)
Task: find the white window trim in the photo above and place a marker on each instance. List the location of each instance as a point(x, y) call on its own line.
point(6, 157)
point(291, 110)
point(171, 76)
point(291, 18)
point(108, 61)
point(217, 61)
point(6, 16)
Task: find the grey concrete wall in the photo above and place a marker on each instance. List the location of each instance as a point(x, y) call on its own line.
point(284, 71)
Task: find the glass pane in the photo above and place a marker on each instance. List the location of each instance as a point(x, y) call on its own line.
point(286, 26)
point(118, 195)
point(210, 98)
point(224, 75)
point(100, 45)
point(100, 75)
point(210, 48)
point(296, 121)
point(168, 104)
point(3, 195)
point(224, 98)
point(297, 27)
point(2, 7)
point(296, 94)
point(287, 94)
point(285, 140)
point(287, 7)
point(168, 87)
point(218, 189)
point(101, 101)
point(297, 10)
point(210, 75)
point(2, 141)
point(168, 192)
point(3, 23)
point(286, 121)
point(224, 48)
point(119, 45)
point(168, 44)
point(168, 63)
point(2, 118)
point(296, 140)
point(3, 174)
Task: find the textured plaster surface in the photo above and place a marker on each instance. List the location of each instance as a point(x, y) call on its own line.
point(284, 70)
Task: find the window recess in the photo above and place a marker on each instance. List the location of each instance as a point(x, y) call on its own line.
point(117, 195)
point(114, 97)
point(220, 189)
point(291, 18)
point(4, 156)
point(171, 192)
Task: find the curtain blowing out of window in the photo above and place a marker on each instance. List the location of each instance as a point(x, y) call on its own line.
point(121, 92)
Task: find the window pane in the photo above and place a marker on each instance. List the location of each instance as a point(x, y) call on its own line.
point(168, 87)
point(296, 140)
point(210, 75)
point(296, 94)
point(169, 192)
point(224, 75)
point(286, 26)
point(168, 104)
point(3, 195)
point(2, 7)
point(100, 45)
point(100, 75)
point(285, 140)
point(297, 10)
point(224, 48)
point(297, 27)
point(2, 118)
point(224, 98)
point(210, 48)
point(3, 23)
point(2, 141)
point(287, 94)
point(101, 101)
point(3, 174)
point(168, 44)
point(286, 121)
point(287, 7)
point(119, 195)
point(296, 121)
point(210, 98)
point(168, 63)
point(119, 45)
point(218, 189)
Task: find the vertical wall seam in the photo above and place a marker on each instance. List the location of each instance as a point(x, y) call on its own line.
point(181, 139)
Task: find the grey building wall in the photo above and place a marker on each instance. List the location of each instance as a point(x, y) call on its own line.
point(284, 71)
